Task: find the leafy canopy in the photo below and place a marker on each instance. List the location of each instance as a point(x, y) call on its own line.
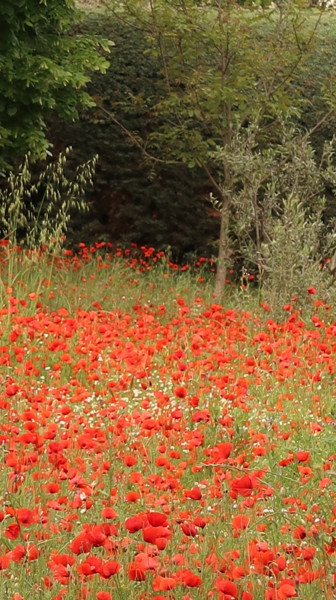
point(44, 66)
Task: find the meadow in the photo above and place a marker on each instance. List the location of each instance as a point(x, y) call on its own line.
point(157, 445)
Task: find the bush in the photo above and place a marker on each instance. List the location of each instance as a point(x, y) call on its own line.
point(281, 229)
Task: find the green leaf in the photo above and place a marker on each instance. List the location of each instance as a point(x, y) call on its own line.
point(45, 63)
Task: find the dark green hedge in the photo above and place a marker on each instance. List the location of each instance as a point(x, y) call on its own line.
point(134, 199)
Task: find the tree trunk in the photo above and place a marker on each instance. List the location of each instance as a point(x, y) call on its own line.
point(223, 250)
point(224, 239)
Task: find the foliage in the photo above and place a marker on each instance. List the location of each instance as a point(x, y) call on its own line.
point(293, 255)
point(44, 68)
point(300, 239)
point(279, 227)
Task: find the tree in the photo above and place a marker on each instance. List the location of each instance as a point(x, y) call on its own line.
point(44, 67)
point(228, 68)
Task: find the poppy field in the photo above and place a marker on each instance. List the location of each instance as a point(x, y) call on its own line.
point(156, 445)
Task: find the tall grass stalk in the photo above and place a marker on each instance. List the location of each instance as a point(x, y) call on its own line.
point(35, 211)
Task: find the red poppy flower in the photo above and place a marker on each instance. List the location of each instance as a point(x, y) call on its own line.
point(92, 564)
point(286, 590)
point(60, 573)
point(53, 488)
point(240, 522)
point(187, 578)
point(224, 450)
point(109, 513)
point(146, 561)
point(132, 496)
point(109, 568)
point(299, 532)
point(163, 584)
point(97, 535)
point(308, 553)
point(5, 560)
point(194, 494)
point(242, 485)
point(103, 596)
point(18, 553)
point(136, 572)
point(151, 534)
point(189, 529)
point(156, 519)
point(302, 456)
point(129, 460)
point(12, 532)
point(180, 392)
point(81, 544)
point(226, 587)
point(135, 523)
point(25, 516)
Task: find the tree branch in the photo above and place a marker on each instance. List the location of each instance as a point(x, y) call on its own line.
point(133, 138)
point(318, 124)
